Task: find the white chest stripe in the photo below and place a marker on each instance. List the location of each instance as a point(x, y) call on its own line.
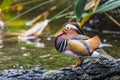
point(63, 45)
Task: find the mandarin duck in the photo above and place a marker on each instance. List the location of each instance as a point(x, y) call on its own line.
point(72, 42)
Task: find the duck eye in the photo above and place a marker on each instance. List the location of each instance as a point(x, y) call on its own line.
point(68, 27)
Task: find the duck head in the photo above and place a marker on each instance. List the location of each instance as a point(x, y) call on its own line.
point(70, 30)
point(69, 27)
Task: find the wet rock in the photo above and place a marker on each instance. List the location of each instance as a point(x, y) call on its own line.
point(89, 70)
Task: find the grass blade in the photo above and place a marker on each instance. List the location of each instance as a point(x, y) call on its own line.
point(30, 10)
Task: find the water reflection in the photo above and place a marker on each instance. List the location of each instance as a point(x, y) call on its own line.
point(18, 55)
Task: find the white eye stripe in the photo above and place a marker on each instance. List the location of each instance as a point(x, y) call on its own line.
point(70, 26)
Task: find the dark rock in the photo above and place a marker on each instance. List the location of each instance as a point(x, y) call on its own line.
point(89, 70)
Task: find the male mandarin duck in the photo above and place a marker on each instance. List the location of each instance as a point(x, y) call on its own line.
point(72, 42)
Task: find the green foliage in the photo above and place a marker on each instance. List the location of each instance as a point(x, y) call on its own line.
point(25, 12)
point(79, 7)
point(6, 3)
point(108, 6)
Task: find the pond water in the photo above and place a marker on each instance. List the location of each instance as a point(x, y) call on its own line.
point(19, 55)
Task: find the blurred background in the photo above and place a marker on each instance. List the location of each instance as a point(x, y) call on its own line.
point(28, 29)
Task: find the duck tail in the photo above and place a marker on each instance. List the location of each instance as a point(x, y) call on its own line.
point(104, 45)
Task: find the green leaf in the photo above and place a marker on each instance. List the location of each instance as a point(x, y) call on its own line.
point(79, 7)
point(6, 3)
point(108, 6)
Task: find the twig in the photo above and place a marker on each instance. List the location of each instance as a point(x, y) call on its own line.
point(112, 19)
